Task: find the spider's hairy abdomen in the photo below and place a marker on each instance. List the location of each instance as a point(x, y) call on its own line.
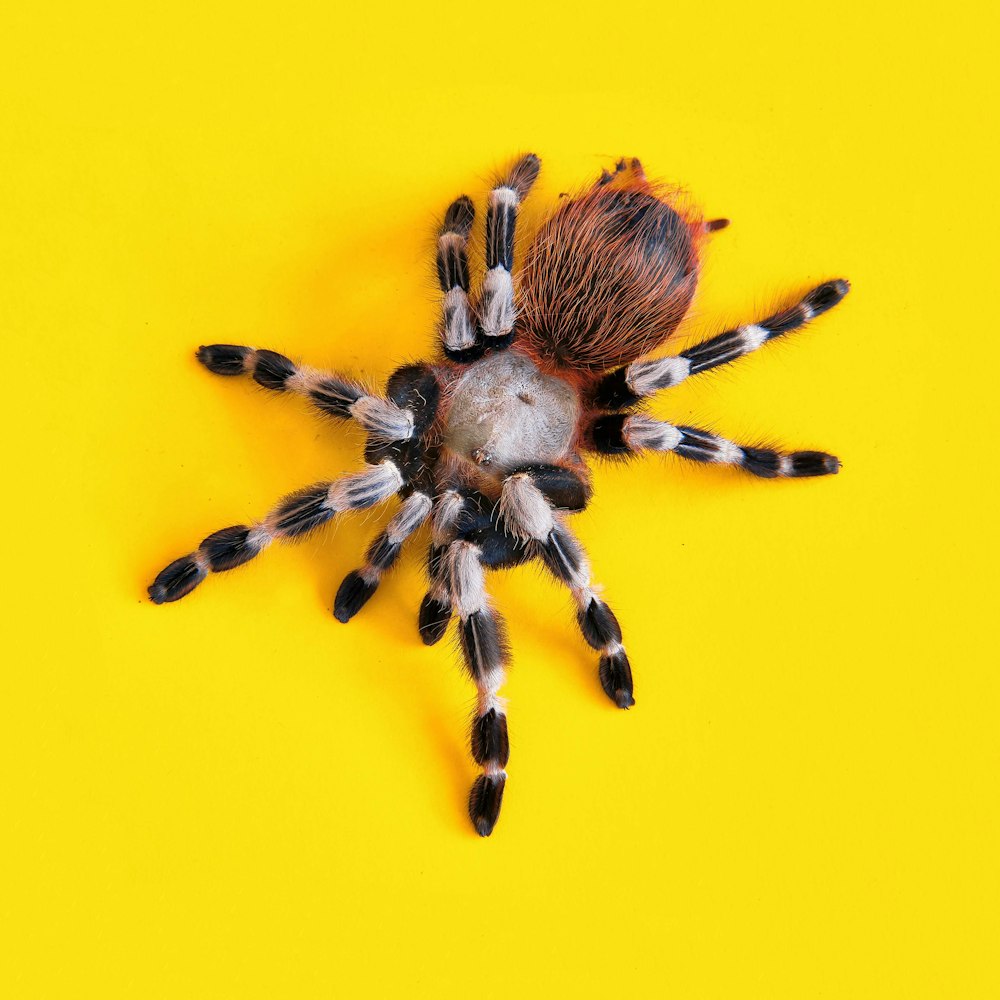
point(608, 278)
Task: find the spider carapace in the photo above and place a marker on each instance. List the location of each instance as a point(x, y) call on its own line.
point(537, 372)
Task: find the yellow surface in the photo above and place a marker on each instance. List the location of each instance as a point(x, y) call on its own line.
point(236, 796)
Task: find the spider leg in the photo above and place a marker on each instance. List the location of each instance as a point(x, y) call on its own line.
point(295, 515)
point(328, 392)
point(415, 389)
point(359, 585)
point(458, 332)
point(484, 649)
point(469, 516)
point(528, 512)
point(625, 386)
point(566, 560)
point(435, 609)
point(619, 434)
point(498, 310)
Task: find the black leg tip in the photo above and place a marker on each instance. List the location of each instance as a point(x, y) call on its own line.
point(616, 679)
point(814, 463)
point(714, 225)
point(484, 803)
point(624, 699)
point(827, 295)
point(460, 215)
point(831, 465)
point(433, 620)
point(524, 173)
point(176, 580)
point(352, 596)
point(223, 359)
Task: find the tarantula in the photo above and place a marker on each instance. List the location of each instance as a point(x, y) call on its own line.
point(489, 440)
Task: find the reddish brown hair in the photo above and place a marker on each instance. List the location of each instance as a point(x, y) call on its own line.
point(608, 278)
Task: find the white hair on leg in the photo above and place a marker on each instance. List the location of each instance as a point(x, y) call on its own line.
point(365, 489)
point(498, 310)
point(457, 330)
point(643, 433)
point(383, 418)
point(754, 336)
point(524, 508)
point(646, 377)
point(409, 517)
point(466, 578)
point(446, 510)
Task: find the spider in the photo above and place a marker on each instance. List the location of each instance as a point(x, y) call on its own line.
point(489, 441)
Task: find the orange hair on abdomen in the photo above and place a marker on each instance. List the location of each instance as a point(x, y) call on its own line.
point(607, 279)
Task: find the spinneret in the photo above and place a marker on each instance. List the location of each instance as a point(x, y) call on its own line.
point(489, 442)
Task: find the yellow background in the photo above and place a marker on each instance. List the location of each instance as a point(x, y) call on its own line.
point(236, 796)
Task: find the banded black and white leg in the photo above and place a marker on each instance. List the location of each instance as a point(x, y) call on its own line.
point(330, 393)
point(469, 516)
point(497, 306)
point(621, 434)
point(626, 386)
point(526, 505)
point(458, 329)
point(295, 515)
point(435, 608)
point(484, 649)
point(359, 585)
